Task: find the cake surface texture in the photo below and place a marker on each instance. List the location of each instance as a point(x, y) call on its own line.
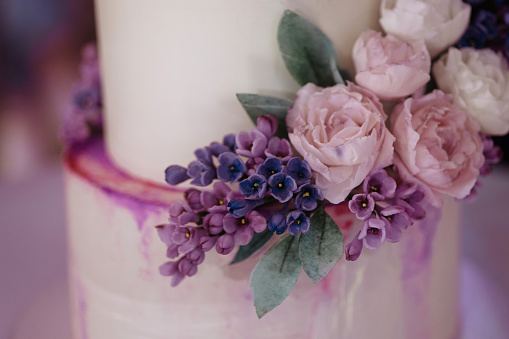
point(170, 70)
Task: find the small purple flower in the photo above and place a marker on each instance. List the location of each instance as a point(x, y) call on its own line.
point(176, 174)
point(362, 205)
point(299, 170)
point(165, 232)
point(492, 155)
point(217, 149)
point(251, 144)
point(267, 124)
point(202, 173)
point(379, 184)
point(408, 196)
point(229, 141)
point(278, 222)
point(181, 213)
point(170, 269)
point(270, 167)
point(253, 187)
point(240, 207)
point(397, 220)
point(307, 198)
point(282, 187)
point(225, 244)
point(192, 197)
point(297, 222)
point(243, 228)
point(373, 233)
point(231, 167)
point(279, 148)
point(354, 249)
point(208, 242)
point(213, 222)
point(187, 238)
point(186, 266)
point(88, 100)
point(217, 200)
point(204, 155)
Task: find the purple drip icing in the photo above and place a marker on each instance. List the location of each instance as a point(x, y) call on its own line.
point(416, 258)
point(82, 309)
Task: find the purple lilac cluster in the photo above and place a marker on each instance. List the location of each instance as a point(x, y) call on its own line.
point(274, 186)
point(200, 223)
point(386, 209)
point(83, 116)
point(492, 155)
point(224, 162)
point(489, 26)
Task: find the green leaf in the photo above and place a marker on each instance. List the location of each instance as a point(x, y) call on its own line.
point(275, 275)
point(307, 52)
point(259, 239)
point(321, 247)
point(258, 105)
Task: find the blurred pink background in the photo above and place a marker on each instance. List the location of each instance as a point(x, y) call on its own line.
point(40, 45)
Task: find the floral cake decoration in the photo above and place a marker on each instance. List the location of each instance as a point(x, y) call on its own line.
point(413, 125)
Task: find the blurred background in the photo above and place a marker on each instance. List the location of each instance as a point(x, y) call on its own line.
point(40, 49)
point(40, 45)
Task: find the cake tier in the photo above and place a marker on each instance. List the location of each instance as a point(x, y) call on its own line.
point(171, 69)
point(404, 290)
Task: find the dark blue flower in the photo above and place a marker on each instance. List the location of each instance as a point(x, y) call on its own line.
point(270, 167)
point(487, 22)
point(229, 141)
point(240, 207)
point(176, 174)
point(307, 198)
point(299, 170)
point(278, 223)
point(473, 37)
point(253, 187)
point(231, 167)
point(202, 173)
point(282, 187)
point(297, 222)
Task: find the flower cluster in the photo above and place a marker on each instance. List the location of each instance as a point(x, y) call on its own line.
point(386, 209)
point(489, 26)
point(276, 190)
point(349, 149)
point(83, 116)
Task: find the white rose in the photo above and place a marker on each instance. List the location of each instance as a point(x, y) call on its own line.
point(440, 23)
point(479, 83)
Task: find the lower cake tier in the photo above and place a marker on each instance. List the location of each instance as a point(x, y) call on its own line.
point(403, 290)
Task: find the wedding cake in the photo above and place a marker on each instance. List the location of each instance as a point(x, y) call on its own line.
point(169, 74)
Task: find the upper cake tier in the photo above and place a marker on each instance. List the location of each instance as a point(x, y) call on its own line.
point(171, 69)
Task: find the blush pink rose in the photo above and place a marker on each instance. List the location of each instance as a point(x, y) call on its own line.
point(341, 132)
point(389, 67)
point(437, 145)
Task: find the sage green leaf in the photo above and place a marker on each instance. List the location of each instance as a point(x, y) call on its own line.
point(275, 275)
point(307, 52)
point(259, 239)
point(321, 247)
point(258, 105)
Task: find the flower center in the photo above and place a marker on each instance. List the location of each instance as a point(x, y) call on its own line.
point(305, 195)
point(373, 188)
point(221, 202)
point(188, 235)
point(373, 231)
point(364, 205)
point(389, 218)
point(243, 221)
point(256, 184)
point(280, 185)
point(232, 167)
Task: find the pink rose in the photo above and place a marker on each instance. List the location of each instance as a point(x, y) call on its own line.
point(341, 132)
point(390, 67)
point(437, 145)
